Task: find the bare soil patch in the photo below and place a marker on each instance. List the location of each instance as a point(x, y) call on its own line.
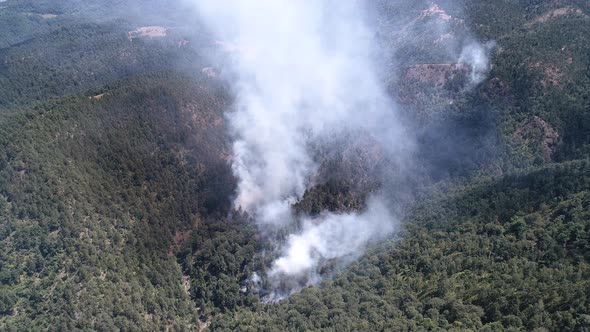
point(149, 31)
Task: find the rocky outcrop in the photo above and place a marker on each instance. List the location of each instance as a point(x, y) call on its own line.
point(149, 31)
point(557, 13)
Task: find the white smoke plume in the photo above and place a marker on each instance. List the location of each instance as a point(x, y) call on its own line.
point(332, 236)
point(477, 57)
point(304, 71)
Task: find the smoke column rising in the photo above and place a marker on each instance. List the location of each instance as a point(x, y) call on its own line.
point(335, 236)
point(476, 56)
point(304, 72)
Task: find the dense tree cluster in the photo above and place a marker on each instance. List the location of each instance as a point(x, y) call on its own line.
point(507, 254)
point(92, 194)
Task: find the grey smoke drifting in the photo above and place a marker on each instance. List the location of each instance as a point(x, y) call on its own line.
point(304, 72)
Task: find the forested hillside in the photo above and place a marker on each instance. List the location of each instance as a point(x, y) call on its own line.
point(507, 254)
point(116, 182)
point(93, 193)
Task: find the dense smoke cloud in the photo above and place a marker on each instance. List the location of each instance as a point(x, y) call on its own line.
point(304, 72)
point(331, 236)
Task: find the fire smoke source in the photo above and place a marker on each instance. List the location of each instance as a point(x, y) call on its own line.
point(476, 56)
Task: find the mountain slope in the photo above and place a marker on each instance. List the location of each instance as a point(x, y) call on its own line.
point(93, 192)
point(505, 254)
